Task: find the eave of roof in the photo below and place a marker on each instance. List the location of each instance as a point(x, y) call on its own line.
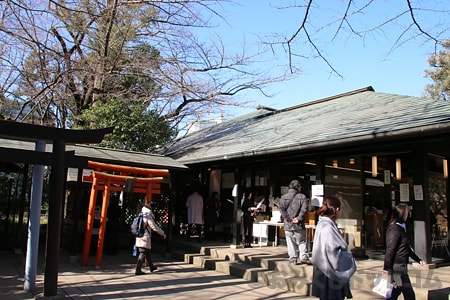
point(113, 156)
point(129, 158)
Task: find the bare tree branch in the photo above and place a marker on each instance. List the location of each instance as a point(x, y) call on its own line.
point(79, 53)
point(413, 18)
point(348, 15)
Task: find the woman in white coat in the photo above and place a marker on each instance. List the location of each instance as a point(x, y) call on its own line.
point(194, 205)
point(144, 244)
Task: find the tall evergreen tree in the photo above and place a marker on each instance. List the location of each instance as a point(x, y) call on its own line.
point(136, 128)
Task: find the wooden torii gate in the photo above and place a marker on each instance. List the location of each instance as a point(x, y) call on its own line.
point(148, 183)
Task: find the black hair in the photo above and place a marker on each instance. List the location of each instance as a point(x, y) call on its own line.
point(400, 213)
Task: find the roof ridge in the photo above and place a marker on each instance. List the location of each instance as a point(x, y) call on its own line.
point(366, 89)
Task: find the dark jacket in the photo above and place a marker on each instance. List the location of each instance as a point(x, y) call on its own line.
point(226, 212)
point(211, 209)
point(293, 204)
point(246, 205)
point(398, 248)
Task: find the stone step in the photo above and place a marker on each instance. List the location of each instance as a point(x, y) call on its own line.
point(258, 268)
point(289, 278)
point(240, 270)
point(206, 262)
point(189, 257)
point(285, 281)
point(280, 274)
point(272, 269)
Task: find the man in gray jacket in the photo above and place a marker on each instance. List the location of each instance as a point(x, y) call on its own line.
point(293, 208)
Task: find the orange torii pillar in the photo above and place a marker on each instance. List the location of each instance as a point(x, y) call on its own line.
point(108, 183)
point(142, 185)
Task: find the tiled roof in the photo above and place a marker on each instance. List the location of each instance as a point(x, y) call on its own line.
point(360, 115)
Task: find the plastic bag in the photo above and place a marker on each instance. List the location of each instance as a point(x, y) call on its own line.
point(383, 285)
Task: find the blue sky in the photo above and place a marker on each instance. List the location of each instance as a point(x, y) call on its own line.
point(362, 62)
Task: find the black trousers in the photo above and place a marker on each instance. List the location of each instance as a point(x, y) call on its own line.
point(406, 289)
point(144, 253)
point(247, 233)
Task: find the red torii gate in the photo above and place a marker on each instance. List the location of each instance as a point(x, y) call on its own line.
point(150, 184)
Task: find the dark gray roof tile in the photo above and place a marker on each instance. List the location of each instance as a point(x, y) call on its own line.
point(360, 115)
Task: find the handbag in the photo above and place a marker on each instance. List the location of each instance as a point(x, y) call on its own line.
point(346, 263)
point(383, 285)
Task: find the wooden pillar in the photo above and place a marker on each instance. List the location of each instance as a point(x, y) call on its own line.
point(101, 233)
point(360, 252)
point(54, 219)
point(89, 222)
point(421, 208)
point(143, 185)
point(76, 212)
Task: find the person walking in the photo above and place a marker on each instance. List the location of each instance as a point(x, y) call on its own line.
point(398, 252)
point(333, 264)
point(293, 208)
point(144, 243)
point(194, 205)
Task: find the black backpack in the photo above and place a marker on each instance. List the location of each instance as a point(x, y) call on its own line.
point(138, 226)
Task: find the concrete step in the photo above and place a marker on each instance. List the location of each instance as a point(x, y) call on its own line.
point(269, 266)
point(206, 262)
point(189, 257)
point(241, 270)
point(262, 270)
point(285, 281)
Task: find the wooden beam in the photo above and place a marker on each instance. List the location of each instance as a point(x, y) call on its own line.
point(121, 178)
point(139, 190)
point(33, 132)
point(127, 169)
point(32, 157)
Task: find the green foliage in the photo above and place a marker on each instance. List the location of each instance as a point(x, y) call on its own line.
point(135, 127)
point(440, 74)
